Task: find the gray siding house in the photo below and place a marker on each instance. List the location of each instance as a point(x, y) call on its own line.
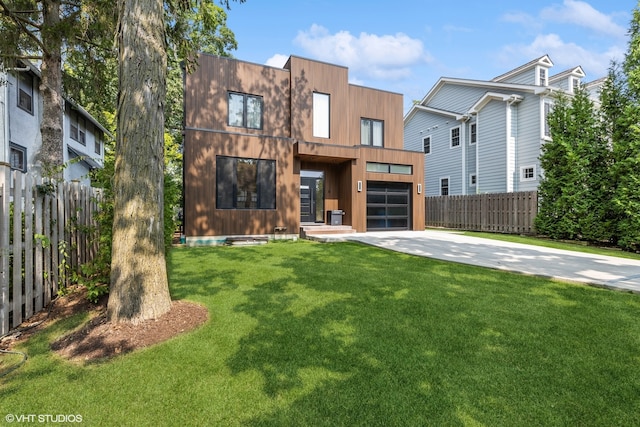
point(20, 118)
point(484, 136)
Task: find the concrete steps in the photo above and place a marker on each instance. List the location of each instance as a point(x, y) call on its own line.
point(312, 231)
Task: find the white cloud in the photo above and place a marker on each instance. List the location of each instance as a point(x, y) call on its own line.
point(583, 14)
point(381, 57)
point(564, 55)
point(277, 60)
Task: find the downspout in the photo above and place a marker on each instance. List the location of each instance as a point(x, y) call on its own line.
point(4, 118)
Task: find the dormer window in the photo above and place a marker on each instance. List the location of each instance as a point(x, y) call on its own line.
point(575, 84)
point(543, 76)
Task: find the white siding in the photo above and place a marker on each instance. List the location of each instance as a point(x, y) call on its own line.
point(492, 148)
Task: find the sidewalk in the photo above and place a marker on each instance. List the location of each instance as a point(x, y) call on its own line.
point(607, 271)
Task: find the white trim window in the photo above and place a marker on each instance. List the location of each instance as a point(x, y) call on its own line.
point(321, 114)
point(542, 76)
point(546, 109)
point(473, 133)
point(455, 137)
point(426, 144)
point(444, 186)
point(528, 173)
point(473, 180)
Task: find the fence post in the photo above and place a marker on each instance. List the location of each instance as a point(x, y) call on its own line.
point(5, 206)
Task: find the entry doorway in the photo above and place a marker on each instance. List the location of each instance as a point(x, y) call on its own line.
point(311, 196)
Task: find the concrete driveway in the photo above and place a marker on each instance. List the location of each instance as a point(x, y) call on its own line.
point(601, 270)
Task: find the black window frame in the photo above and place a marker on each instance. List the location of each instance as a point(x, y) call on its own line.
point(426, 144)
point(444, 186)
point(21, 76)
point(227, 190)
point(369, 137)
point(245, 113)
point(23, 151)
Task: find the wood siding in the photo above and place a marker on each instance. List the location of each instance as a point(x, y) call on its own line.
point(287, 138)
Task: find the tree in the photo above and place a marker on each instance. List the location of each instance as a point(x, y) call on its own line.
point(36, 30)
point(626, 145)
point(139, 284)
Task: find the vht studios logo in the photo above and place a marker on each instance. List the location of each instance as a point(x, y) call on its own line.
point(42, 418)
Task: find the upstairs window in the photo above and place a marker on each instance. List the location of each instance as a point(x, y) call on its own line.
point(78, 128)
point(25, 92)
point(245, 110)
point(543, 76)
point(426, 144)
point(371, 132)
point(547, 110)
point(321, 110)
point(455, 137)
point(18, 157)
point(575, 84)
point(98, 143)
point(474, 133)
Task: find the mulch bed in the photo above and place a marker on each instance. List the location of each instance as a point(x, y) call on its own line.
point(99, 339)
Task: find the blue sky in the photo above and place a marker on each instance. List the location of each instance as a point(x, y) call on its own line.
point(405, 47)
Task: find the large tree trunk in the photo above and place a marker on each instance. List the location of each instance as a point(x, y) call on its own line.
point(139, 285)
point(50, 156)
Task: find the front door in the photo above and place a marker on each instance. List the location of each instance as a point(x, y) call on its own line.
point(311, 197)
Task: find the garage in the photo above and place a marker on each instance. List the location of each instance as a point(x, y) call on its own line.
point(388, 206)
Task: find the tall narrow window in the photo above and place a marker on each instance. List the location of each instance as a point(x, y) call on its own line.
point(245, 183)
point(543, 76)
point(78, 128)
point(25, 92)
point(444, 186)
point(474, 133)
point(547, 110)
point(426, 144)
point(455, 137)
point(371, 132)
point(245, 110)
point(98, 143)
point(321, 109)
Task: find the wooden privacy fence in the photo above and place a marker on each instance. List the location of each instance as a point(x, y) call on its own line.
point(501, 213)
point(47, 232)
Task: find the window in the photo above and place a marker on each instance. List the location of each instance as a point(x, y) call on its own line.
point(547, 110)
point(320, 115)
point(245, 110)
point(444, 186)
point(371, 132)
point(474, 133)
point(455, 137)
point(245, 183)
point(389, 168)
point(528, 173)
point(18, 157)
point(78, 128)
point(472, 180)
point(25, 92)
point(98, 143)
point(575, 84)
point(426, 144)
point(543, 76)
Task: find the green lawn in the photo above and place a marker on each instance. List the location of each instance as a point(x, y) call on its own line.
point(311, 334)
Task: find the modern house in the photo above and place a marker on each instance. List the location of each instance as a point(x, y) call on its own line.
point(482, 136)
point(270, 150)
point(20, 118)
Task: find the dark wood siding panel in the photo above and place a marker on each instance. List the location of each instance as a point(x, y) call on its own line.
point(201, 216)
point(206, 105)
point(379, 105)
point(312, 76)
